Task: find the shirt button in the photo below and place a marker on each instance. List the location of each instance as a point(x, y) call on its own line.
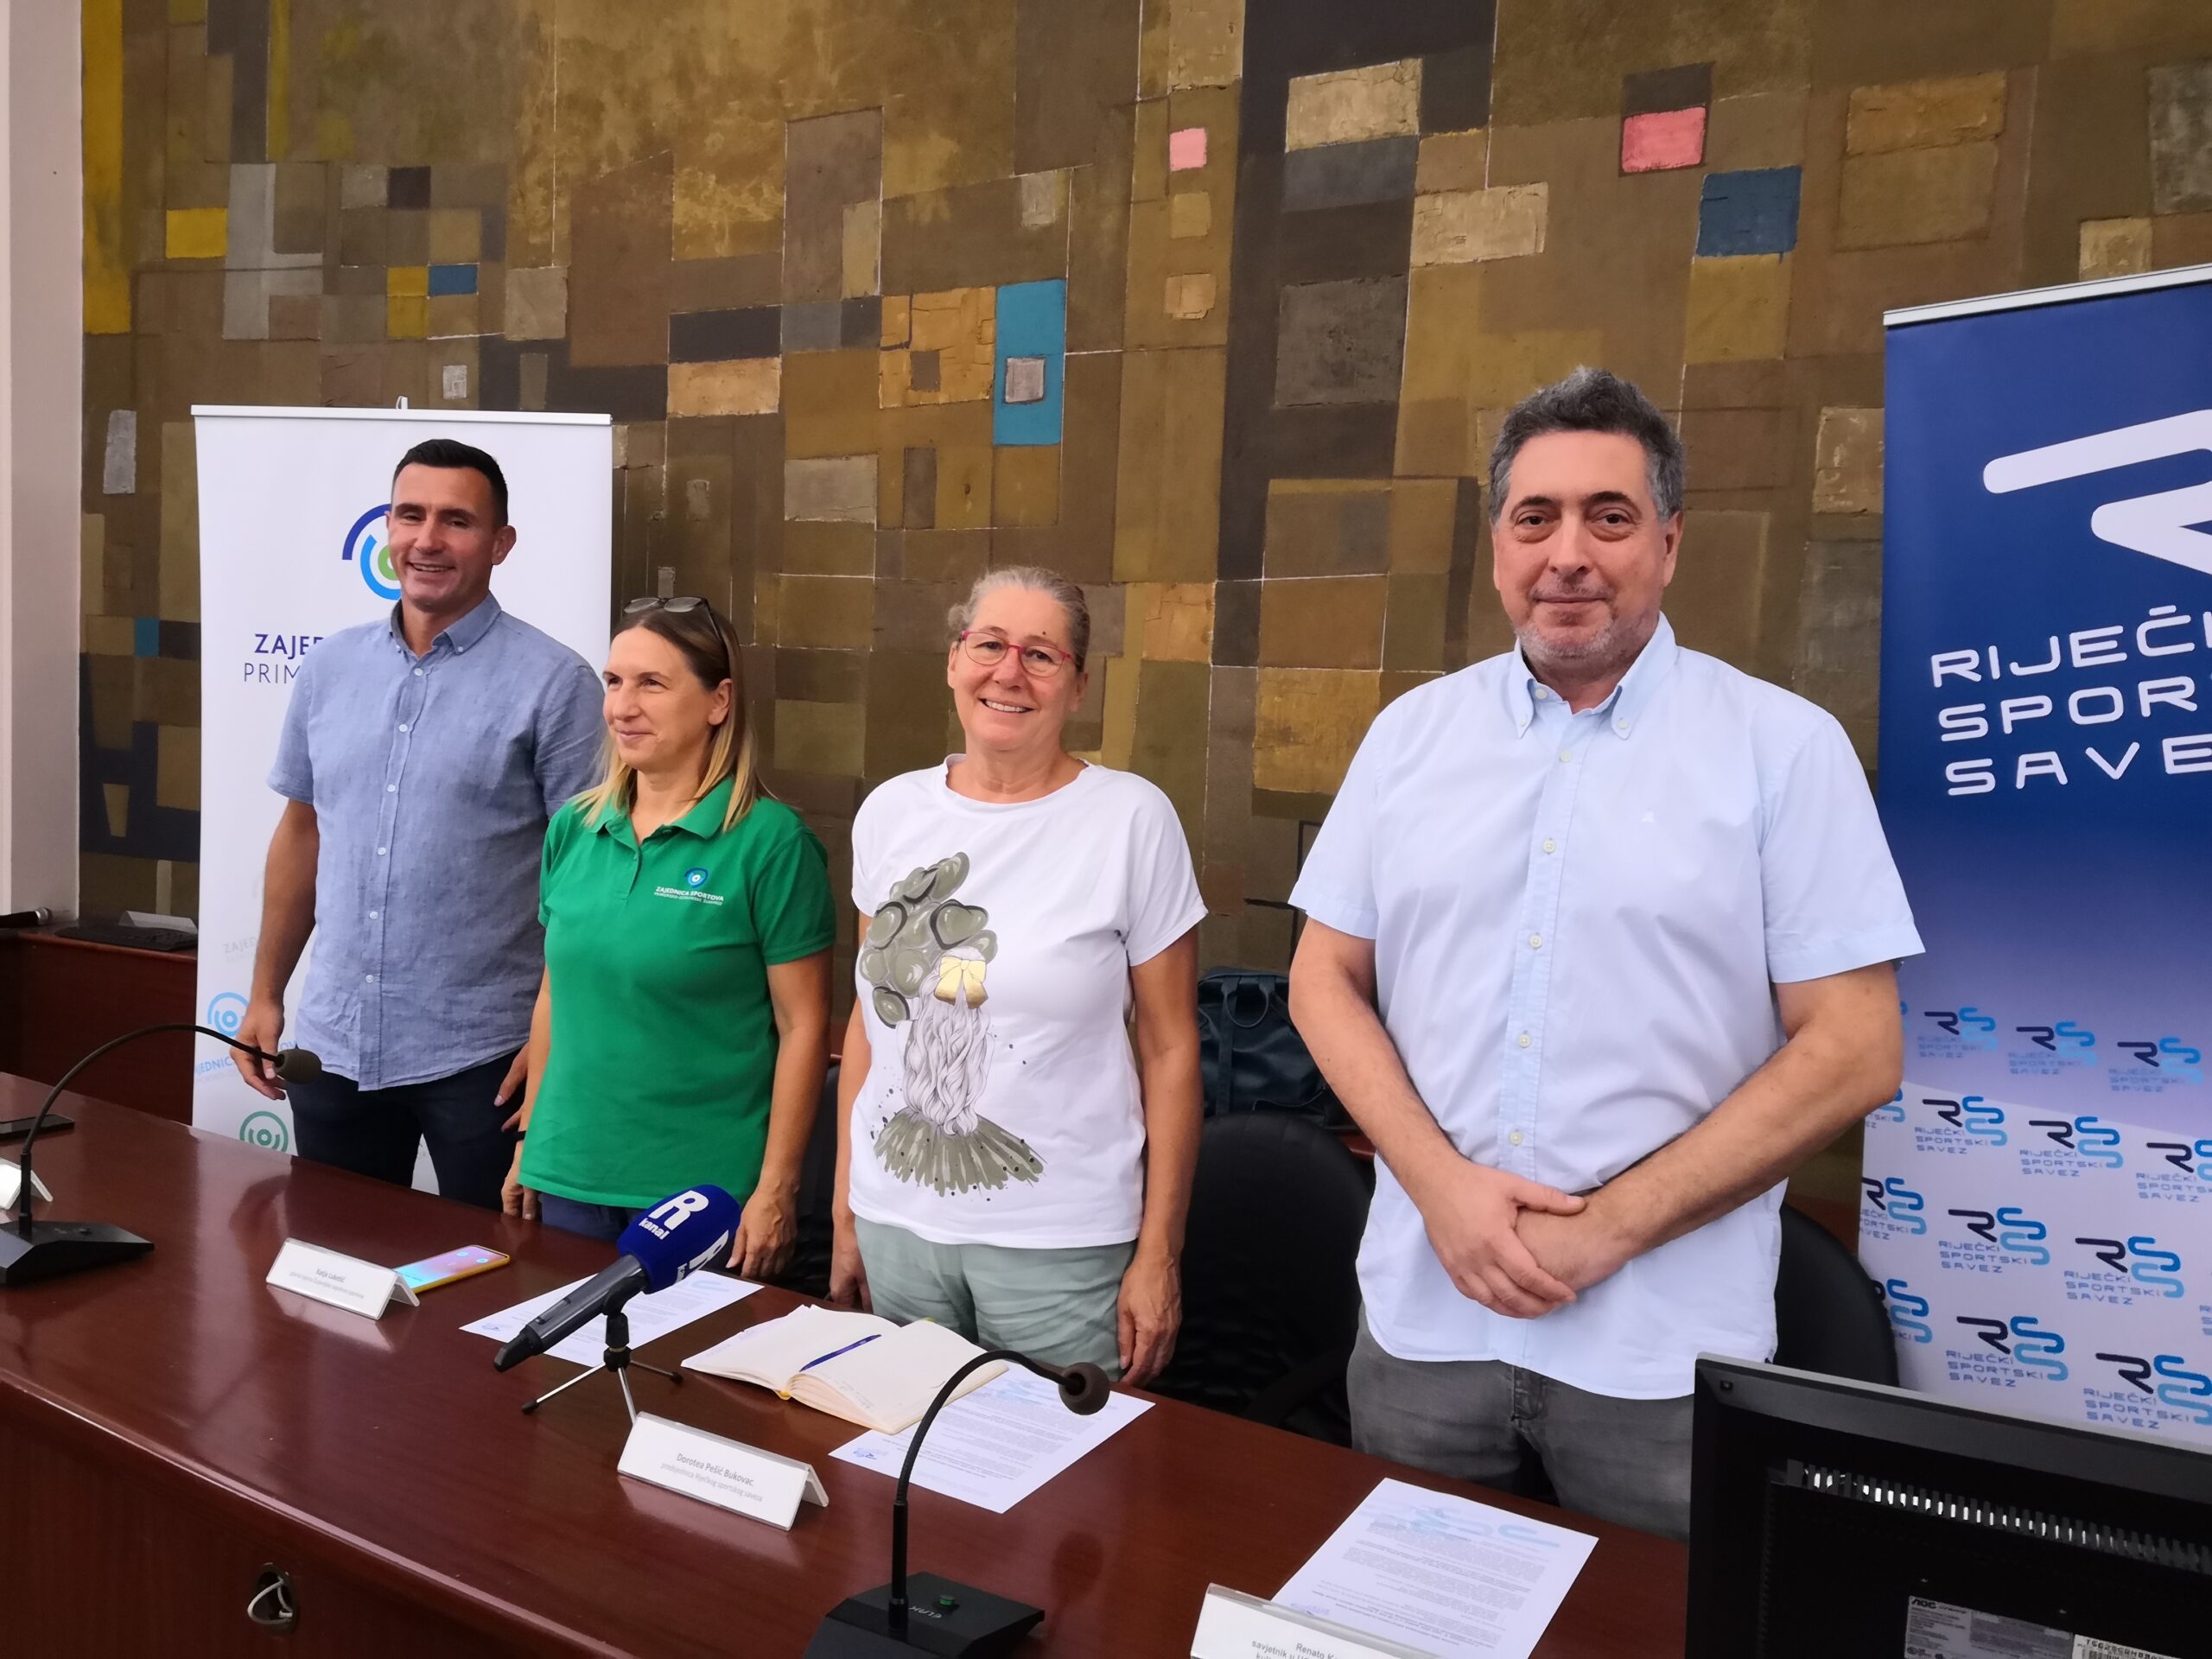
point(1523, 1039)
point(418, 673)
point(1535, 941)
point(1515, 1137)
point(372, 915)
point(1550, 846)
point(1567, 755)
point(380, 852)
point(403, 725)
point(371, 978)
point(392, 789)
point(1622, 728)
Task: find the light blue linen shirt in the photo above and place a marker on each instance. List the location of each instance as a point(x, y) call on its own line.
point(1579, 919)
point(432, 780)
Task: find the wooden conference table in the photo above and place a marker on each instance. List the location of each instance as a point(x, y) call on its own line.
point(170, 1427)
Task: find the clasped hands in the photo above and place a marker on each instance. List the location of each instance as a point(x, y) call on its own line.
point(1517, 1247)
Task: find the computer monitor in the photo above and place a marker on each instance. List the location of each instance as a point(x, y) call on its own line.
point(1840, 1520)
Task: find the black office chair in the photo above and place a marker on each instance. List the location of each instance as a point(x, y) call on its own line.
point(1829, 1316)
point(1270, 1298)
point(808, 1271)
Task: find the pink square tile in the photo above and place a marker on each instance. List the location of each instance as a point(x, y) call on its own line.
point(1669, 138)
point(1187, 148)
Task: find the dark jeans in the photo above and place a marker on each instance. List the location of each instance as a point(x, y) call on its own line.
point(375, 1132)
point(604, 1221)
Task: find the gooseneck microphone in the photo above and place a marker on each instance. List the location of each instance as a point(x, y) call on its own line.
point(962, 1620)
point(33, 1249)
point(671, 1241)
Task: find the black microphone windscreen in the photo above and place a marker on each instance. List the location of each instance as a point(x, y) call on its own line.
point(298, 1065)
point(1084, 1388)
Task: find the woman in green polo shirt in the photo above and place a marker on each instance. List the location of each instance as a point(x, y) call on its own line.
point(681, 1029)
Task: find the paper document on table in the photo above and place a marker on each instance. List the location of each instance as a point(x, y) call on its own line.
point(1446, 1573)
point(650, 1316)
point(993, 1447)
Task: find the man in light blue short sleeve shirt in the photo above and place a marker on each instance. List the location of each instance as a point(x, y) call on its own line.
point(423, 755)
point(1600, 945)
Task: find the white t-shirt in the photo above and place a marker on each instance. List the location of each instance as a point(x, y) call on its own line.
point(1002, 1104)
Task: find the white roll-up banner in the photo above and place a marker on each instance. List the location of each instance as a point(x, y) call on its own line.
point(291, 549)
point(2037, 1199)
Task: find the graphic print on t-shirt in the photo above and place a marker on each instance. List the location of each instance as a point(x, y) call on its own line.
point(925, 958)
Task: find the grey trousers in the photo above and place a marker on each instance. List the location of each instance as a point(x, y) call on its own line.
point(1626, 1461)
point(1059, 1306)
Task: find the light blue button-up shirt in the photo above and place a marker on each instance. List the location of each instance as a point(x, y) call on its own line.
point(432, 780)
point(1579, 920)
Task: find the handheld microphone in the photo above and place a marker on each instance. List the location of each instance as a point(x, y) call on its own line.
point(36, 916)
point(671, 1241)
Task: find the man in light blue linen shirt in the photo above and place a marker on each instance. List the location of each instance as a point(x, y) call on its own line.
point(423, 755)
point(1599, 946)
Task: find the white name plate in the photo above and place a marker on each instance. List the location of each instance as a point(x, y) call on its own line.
point(11, 1184)
point(341, 1280)
point(1233, 1625)
point(728, 1474)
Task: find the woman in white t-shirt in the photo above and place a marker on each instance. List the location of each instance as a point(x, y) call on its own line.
point(1014, 1158)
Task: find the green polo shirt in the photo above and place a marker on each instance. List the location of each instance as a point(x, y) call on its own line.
point(664, 1038)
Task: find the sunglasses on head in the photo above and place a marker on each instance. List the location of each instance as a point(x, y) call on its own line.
point(681, 602)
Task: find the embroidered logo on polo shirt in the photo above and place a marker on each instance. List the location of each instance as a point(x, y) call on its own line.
point(695, 881)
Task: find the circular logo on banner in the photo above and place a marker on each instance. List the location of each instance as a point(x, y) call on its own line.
point(226, 1011)
point(695, 877)
point(364, 546)
point(266, 1130)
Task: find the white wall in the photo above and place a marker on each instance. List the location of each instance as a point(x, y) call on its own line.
point(41, 414)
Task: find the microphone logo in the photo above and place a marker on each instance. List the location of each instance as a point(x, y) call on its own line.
point(667, 1216)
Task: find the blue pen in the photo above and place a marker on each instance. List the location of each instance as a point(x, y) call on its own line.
point(832, 1354)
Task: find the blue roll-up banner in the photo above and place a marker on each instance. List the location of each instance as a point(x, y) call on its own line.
point(2038, 1201)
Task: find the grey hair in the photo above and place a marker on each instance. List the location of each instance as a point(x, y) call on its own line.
point(1592, 400)
point(1036, 579)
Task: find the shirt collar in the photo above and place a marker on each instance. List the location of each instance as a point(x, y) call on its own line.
point(460, 635)
point(703, 819)
point(1624, 706)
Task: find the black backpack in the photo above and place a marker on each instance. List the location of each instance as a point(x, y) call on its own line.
point(1251, 1057)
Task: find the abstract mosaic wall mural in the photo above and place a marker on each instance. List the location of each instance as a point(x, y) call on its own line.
point(1213, 304)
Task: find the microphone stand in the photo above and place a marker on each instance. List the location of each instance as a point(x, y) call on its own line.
point(618, 1362)
point(952, 1619)
point(35, 1249)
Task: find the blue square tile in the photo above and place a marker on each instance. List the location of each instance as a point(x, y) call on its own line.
point(146, 636)
point(452, 279)
point(1033, 326)
point(1753, 212)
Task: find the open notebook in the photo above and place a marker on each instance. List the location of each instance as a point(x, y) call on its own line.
point(856, 1366)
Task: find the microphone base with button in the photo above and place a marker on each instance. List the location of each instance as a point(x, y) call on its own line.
point(925, 1614)
point(618, 1362)
point(49, 1249)
point(942, 1617)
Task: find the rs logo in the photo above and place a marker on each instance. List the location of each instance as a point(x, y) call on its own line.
point(2140, 1259)
point(1898, 1201)
point(2010, 1228)
point(2162, 525)
point(2177, 1386)
point(2024, 1341)
point(1969, 1025)
point(2168, 1054)
point(1892, 1113)
point(1973, 1114)
point(2065, 1034)
point(2096, 1143)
